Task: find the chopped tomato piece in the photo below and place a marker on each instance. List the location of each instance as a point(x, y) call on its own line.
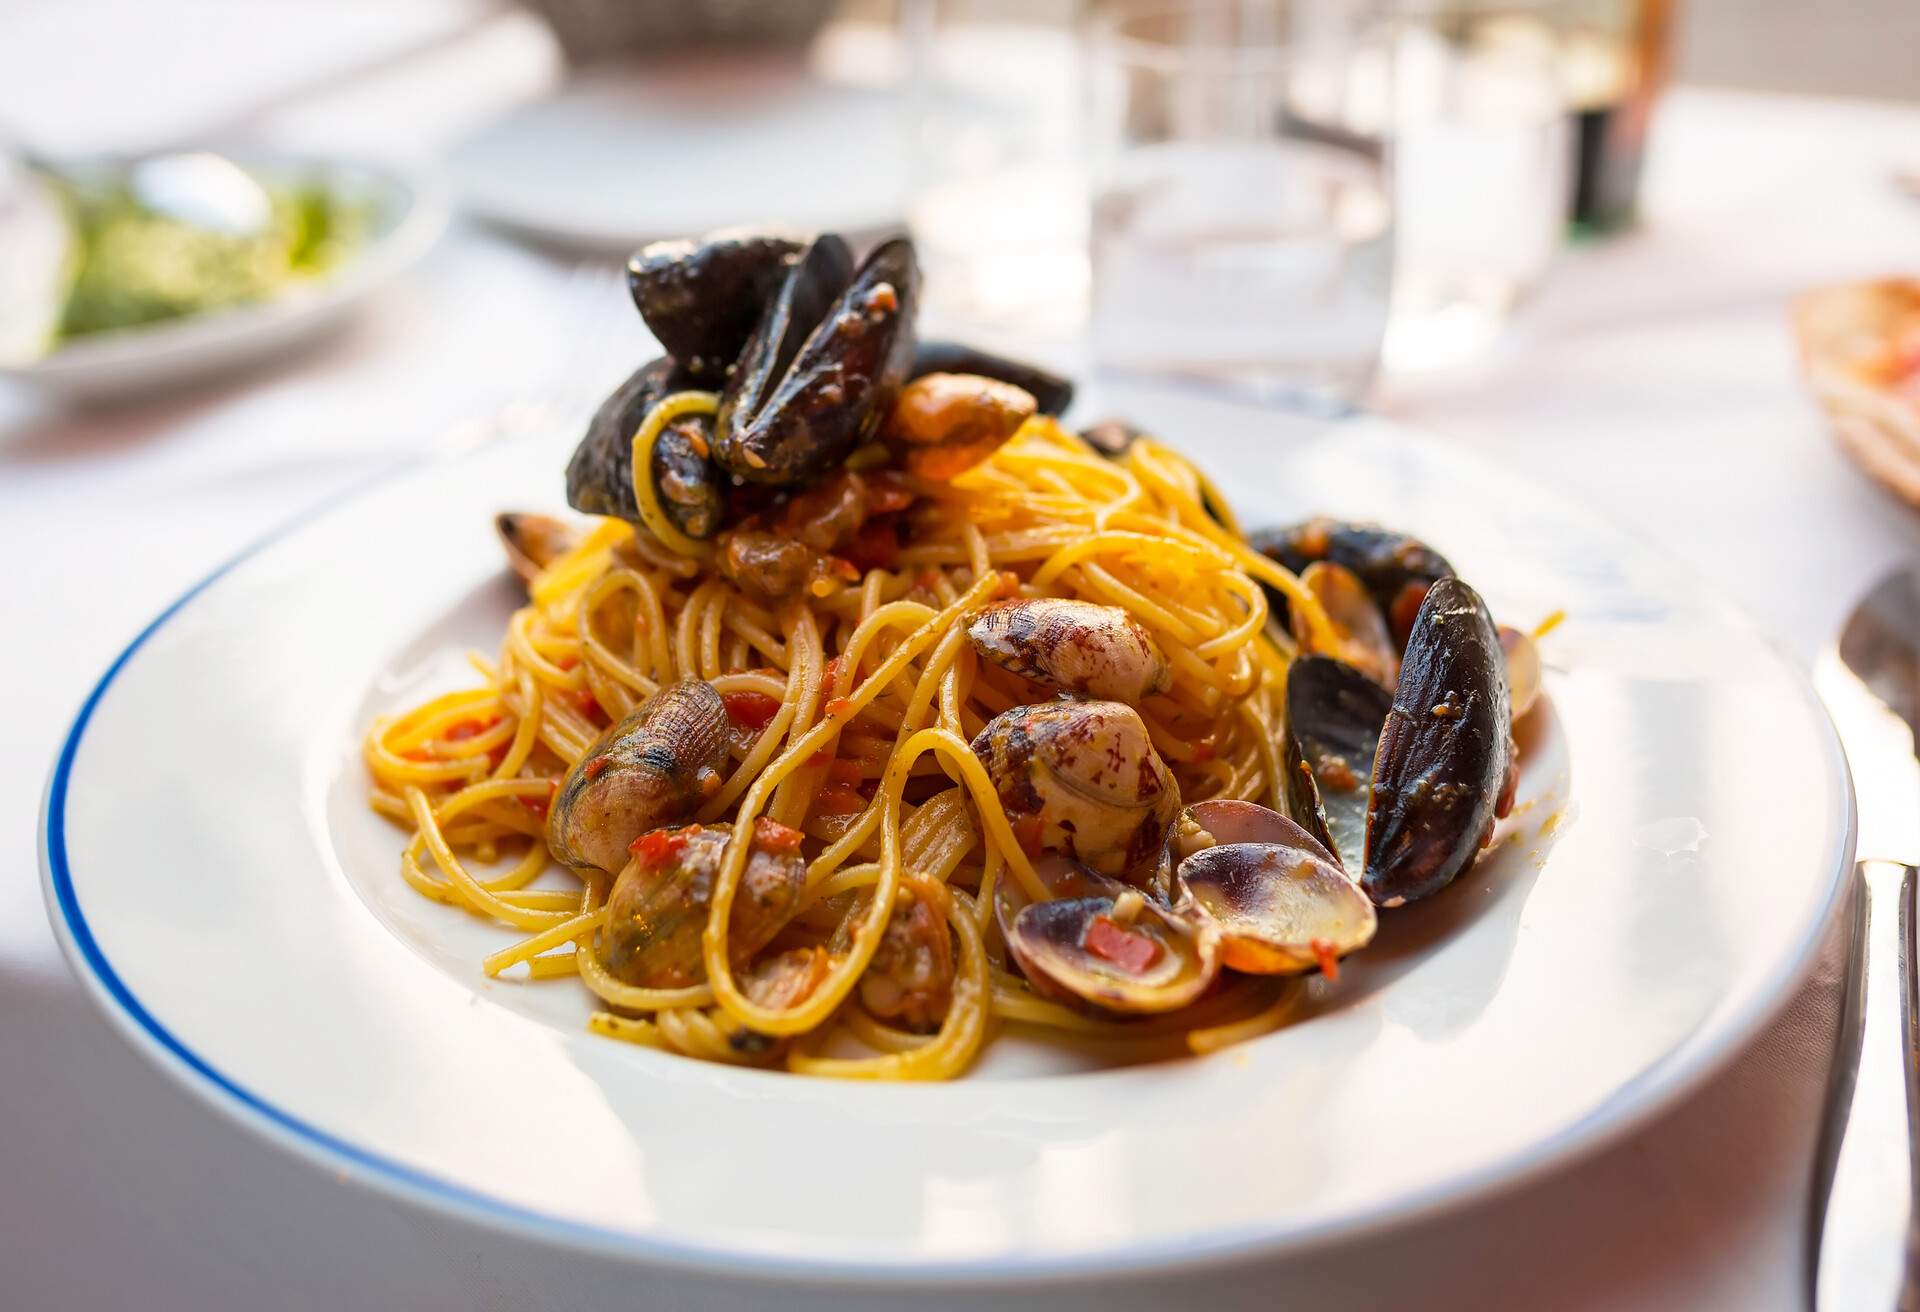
point(838, 799)
point(839, 706)
point(1203, 751)
point(658, 846)
point(584, 700)
point(774, 836)
point(845, 773)
point(1329, 959)
point(541, 805)
point(1126, 948)
point(750, 710)
point(567, 662)
point(830, 671)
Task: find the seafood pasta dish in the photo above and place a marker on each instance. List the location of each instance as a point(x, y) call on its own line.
point(871, 709)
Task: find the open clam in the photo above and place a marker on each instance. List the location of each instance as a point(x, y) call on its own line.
point(1277, 898)
point(533, 541)
point(1117, 951)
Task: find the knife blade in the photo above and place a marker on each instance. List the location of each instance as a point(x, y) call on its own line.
point(1863, 1222)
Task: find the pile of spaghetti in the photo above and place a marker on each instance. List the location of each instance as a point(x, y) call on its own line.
point(852, 708)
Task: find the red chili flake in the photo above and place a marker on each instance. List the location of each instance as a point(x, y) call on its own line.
point(469, 729)
point(597, 765)
point(837, 799)
point(1329, 959)
point(830, 671)
point(1126, 948)
point(770, 834)
point(839, 706)
point(875, 546)
point(750, 710)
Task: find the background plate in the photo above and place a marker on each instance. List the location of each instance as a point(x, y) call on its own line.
point(1684, 828)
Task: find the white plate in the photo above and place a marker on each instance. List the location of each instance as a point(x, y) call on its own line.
point(220, 886)
point(623, 154)
point(409, 213)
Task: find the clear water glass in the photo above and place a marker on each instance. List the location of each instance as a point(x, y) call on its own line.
point(1482, 160)
point(1241, 221)
point(997, 176)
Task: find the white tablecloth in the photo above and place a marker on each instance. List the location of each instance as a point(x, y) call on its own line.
point(1654, 375)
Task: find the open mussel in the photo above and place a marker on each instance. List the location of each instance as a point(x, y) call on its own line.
point(1360, 636)
point(1082, 779)
point(1279, 901)
point(1407, 785)
point(823, 365)
point(1335, 714)
point(1052, 394)
point(701, 299)
point(1395, 568)
point(600, 475)
point(655, 767)
point(686, 482)
point(944, 424)
point(1445, 769)
point(1073, 646)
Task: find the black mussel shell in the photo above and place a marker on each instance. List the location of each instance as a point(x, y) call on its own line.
point(702, 299)
point(1444, 769)
point(822, 366)
point(1112, 438)
point(1053, 393)
point(1397, 569)
point(1335, 715)
point(600, 475)
point(685, 478)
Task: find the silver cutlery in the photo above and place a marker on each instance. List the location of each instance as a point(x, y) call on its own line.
point(1865, 1254)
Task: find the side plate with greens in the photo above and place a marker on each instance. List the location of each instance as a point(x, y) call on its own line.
point(124, 296)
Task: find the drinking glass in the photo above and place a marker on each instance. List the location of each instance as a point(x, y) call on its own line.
point(997, 177)
point(1242, 232)
point(1482, 161)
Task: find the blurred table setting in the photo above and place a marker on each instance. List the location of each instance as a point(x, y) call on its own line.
point(1518, 225)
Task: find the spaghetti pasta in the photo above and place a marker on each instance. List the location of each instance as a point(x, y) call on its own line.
point(851, 710)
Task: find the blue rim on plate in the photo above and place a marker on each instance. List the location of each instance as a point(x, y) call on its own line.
point(1655, 1089)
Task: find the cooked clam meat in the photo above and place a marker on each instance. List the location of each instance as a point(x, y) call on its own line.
point(944, 424)
point(1120, 952)
point(655, 767)
point(657, 911)
point(910, 979)
point(1082, 779)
